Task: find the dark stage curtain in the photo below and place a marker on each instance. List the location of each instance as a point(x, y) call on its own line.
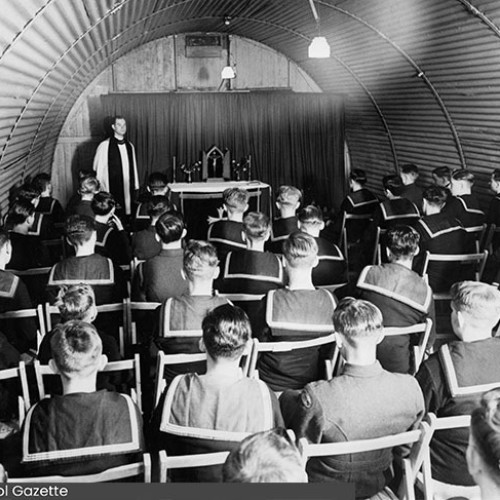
point(294, 139)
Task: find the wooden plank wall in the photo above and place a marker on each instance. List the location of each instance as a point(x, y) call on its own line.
point(162, 66)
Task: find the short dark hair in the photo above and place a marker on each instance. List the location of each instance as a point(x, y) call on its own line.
point(435, 195)
point(200, 258)
point(170, 226)
point(402, 241)
point(103, 203)
point(311, 215)
point(442, 172)
point(409, 168)
point(118, 117)
point(74, 301)
point(393, 183)
point(358, 175)
point(485, 430)
point(28, 192)
point(41, 181)
point(265, 457)
point(158, 205)
point(495, 175)
point(357, 319)
point(83, 173)
point(462, 174)
point(236, 199)
point(157, 180)
point(79, 229)
point(300, 249)
point(19, 211)
point(4, 237)
point(226, 331)
point(76, 348)
point(256, 225)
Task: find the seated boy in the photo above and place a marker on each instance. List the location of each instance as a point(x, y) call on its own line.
point(410, 190)
point(145, 243)
point(297, 312)
point(83, 431)
point(331, 268)
point(230, 401)
point(112, 240)
point(48, 204)
point(226, 235)
point(160, 277)
point(287, 202)
point(89, 187)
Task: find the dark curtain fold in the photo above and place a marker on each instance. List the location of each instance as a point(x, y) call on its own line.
point(294, 139)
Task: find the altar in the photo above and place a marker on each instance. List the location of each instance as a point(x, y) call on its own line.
point(199, 200)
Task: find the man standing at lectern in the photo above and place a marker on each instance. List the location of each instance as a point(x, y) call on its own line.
point(116, 166)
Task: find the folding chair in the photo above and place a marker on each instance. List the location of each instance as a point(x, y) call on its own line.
point(478, 234)
point(347, 243)
point(147, 308)
point(167, 463)
point(35, 313)
point(165, 360)
point(121, 472)
point(491, 232)
point(416, 460)
point(23, 399)
point(126, 365)
point(476, 260)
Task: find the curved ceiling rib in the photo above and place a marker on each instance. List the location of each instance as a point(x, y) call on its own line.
point(481, 15)
point(146, 19)
point(420, 74)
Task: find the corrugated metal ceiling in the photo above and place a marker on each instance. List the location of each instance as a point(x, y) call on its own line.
point(421, 77)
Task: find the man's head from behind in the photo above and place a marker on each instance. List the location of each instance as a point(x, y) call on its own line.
point(236, 200)
point(89, 186)
point(103, 204)
point(311, 220)
point(200, 261)
point(76, 350)
point(441, 176)
point(157, 184)
point(257, 226)
point(300, 251)
point(434, 199)
point(21, 212)
point(158, 205)
point(393, 185)
point(170, 227)
point(76, 302)
point(358, 324)
point(462, 181)
point(288, 199)
point(265, 457)
point(402, 243)
point(475, 309)
point(357, 178)
point(80, 229)
point(42, 184)
point(226, 331)
point(409, 173)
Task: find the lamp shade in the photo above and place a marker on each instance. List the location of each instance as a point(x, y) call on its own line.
point(227, 73)
point(319, 48)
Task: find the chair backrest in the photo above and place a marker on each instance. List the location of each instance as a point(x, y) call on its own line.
point(114, 474)
point(479, 234)
point(285, 346)
point(164, 360)
point(168, 463)
point(35, 280)
point(18, 374)
point(35, 313)
point(477, 260)
point(418, 439)
point(488, 240)
point(127, 365)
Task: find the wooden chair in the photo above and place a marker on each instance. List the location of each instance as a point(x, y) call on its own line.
point(35, 313)
point(35, 280)
point(478, 233)
point(121, 472)
point(417, 459)
point(131, 324)
point(127, 365)
point(164, 360)
point(477, 260)
point(488, 240)
point(346, 243)
point(168, 463)
point(19, 374)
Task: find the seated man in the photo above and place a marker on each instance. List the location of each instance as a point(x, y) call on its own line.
point(403, 297)
point(364, 402)
point(410, 191)
point(287, 202)
point(442, 177)
point(27, 249)
point(265, 457)
point(14, 296)
point(230, 401)
point(160, 277)
point(48, 204)
point(112, 239)
point(252, 271)
point(87, 266)
point(440, 233)
point(83, 173)
point(331, 268)
point(186, 313)
point(83, 431)
point(89, 187)
point(226, 235)
point(157, 186)
point(145, 243)
point(463, 205)
point(454, 378)
point(297, 312)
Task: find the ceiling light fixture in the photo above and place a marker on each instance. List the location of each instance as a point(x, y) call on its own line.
point(319, 48)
